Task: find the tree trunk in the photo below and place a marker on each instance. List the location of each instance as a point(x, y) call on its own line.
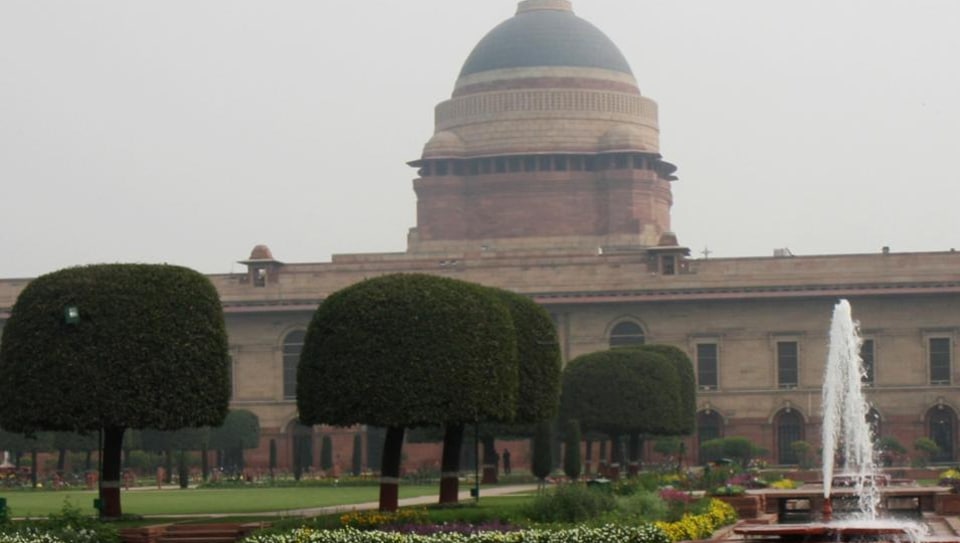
point(390, 469)
point(110, 478)
point(88, 461)
point(450, 465)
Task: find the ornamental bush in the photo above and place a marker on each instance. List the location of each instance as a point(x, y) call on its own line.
point(570, 503)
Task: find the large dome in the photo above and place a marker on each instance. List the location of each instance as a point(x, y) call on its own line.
point(545, 33)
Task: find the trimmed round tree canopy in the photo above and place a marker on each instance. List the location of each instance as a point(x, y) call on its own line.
point(121, 345)
point(408, 350)
point(686, 417)
point(538, 350)
point(623, 391)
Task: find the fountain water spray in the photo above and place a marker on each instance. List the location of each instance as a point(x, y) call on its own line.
point(846, 433)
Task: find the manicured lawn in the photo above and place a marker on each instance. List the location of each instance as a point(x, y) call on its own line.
point(205, 501)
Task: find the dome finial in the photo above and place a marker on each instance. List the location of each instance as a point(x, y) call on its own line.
point(535, 5)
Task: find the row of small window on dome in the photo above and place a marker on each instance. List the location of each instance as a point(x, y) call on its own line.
point(541, 163)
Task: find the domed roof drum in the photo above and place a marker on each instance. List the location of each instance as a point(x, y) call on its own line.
point(544, 81)
point(545, 34)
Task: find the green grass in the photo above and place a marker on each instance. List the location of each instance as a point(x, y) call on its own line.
point(238, 501)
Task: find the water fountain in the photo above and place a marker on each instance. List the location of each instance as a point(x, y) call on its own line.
point(849, 464)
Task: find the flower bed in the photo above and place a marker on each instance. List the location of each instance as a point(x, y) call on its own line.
point(692, 527)
point(605, 534)
point(689, 527)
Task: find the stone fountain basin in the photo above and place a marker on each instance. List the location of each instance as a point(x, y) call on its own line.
point(830, 531)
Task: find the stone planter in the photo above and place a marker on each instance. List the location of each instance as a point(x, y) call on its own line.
point(947, 504)
point(747, 506)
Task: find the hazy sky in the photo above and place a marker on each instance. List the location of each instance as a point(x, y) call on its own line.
point(188, 131)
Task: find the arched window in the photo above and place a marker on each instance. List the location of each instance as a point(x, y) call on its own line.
point(292, 345)
point(625, 334)
point(709, 427)
point(942, 423)
point(789, 428)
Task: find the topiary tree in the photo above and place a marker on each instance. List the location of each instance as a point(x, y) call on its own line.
point(326, 454)
point(542, 452)
point(540, 370)
point(408, 350)
point(140, 345)
point(273, 457)
point(572, 464)
point(32, 444)
point(927, 449)
point(356, 460)
point(891, 450)
point(174, 444)
point(625, 391)
point(240, 430)
point(62, 442)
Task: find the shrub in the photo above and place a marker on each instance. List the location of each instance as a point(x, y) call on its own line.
point(70, 525)
point(643, 505)
point(570, 503)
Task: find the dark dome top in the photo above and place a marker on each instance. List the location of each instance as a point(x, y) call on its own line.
point(545, 38)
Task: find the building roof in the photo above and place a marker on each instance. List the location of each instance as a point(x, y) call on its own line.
point(545, 33)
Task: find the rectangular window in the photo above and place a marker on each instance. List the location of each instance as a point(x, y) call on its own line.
point(530, 164)
point(669, 265)
point(707, 366)
point(560, 163)
point(787, 364)
point(866, 357)
point(939, 360)
point(516, 164)
point(546, 164)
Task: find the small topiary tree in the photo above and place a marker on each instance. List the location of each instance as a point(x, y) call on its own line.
point(803, 453)
point(356, 461)
point(891, 450)
point(273, 458)
point(240, 430)
point(119, 334)
point(326, 454)
point(543, 452)
point(572, 464)
point(626, 391)
point(927, 449)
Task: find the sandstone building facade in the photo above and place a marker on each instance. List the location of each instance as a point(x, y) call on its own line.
point(545, 177)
